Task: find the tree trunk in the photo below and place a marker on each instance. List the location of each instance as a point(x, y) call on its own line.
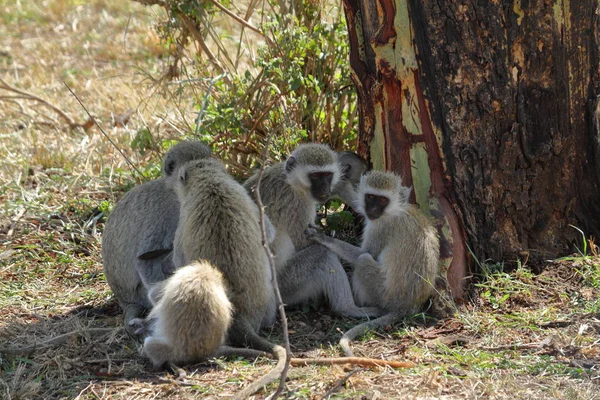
point(488, 109)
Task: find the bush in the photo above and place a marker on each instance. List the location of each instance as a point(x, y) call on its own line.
point(291, 82)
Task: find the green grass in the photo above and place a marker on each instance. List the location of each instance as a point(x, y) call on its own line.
point(51, 279)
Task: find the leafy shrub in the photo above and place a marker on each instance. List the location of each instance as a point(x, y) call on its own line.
point(290, 83)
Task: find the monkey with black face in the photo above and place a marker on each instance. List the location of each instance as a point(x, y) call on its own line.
point(352, 167)
point(397, 264)
point(138, 237)
point(219, 223)
point(290, 192)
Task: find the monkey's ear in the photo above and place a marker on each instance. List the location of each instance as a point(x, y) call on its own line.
point(290, 164)
point(404, 194)
point(169, 167)
point(346, 171)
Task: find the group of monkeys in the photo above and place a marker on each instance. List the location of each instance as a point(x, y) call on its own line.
point(188, 247)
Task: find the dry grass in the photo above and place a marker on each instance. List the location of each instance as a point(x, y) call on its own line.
point(523, 335)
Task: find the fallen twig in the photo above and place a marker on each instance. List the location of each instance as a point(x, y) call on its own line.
point(57, 341)
point(30, 96)
point(109, 360)
point(15, 220)
point(363, 362)
point(340, 383)
point(519, 346)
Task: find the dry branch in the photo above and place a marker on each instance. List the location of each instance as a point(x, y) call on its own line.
point(57, 341)
point(340, 383)
point(280, 306)
point(152, 2)
point(191, 27)
point(240, 20)
point(363, 362)
point(103, 132)
point(30, 96)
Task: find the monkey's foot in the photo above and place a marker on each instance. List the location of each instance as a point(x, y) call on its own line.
point(139, 326)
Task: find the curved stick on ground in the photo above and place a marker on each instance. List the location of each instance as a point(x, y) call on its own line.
point(226, 351)
point(360, 361)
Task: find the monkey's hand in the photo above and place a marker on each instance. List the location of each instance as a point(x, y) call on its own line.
point(366, 259)
point(141, 326)
point(316, 236)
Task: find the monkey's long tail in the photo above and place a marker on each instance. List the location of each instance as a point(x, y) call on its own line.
point(258, 343)
point(359, 330)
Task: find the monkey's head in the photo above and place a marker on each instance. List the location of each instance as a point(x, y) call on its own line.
point(314, 168)
point(381, 193)
point(193, 174)
point(352, 166)
point(183, 152)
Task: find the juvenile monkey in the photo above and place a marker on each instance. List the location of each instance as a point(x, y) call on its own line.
point(219, 223)
point(190, 317)
point(290, 192)
point(138, 237)
point(397, 264)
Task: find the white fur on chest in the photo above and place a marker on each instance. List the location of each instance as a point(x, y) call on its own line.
point(372, 230)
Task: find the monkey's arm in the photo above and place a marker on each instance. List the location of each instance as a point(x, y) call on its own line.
point(345, 251)
point(345, 191)
point(152, 271)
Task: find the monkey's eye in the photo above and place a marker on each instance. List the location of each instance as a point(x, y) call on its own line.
point(383, 201)
point(371, 196)
point(316, 175)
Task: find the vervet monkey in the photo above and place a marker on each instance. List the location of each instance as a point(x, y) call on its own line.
point(397, 264)
point(352, 166)
point(219, 223)
point(290, 192)
point(138, 237)
point(190, 317)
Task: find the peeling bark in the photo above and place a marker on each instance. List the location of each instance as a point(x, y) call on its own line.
point(396, 129)
point(489, 110)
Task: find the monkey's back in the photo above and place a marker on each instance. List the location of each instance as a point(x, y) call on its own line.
point(193, 313)
point(289, 210)
point(225, 231)
point(144, 220)
point(409, 253)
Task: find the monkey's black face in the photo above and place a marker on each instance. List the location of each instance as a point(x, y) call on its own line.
point(320, 185)
point(375, 205)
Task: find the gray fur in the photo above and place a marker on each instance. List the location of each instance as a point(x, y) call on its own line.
point(353, 167)
point(219, 223)
point(138, 237)
point(304, 271)
point(191, 316)
point(397, 264)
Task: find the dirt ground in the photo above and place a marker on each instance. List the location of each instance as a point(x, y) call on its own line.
point(520, 334)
